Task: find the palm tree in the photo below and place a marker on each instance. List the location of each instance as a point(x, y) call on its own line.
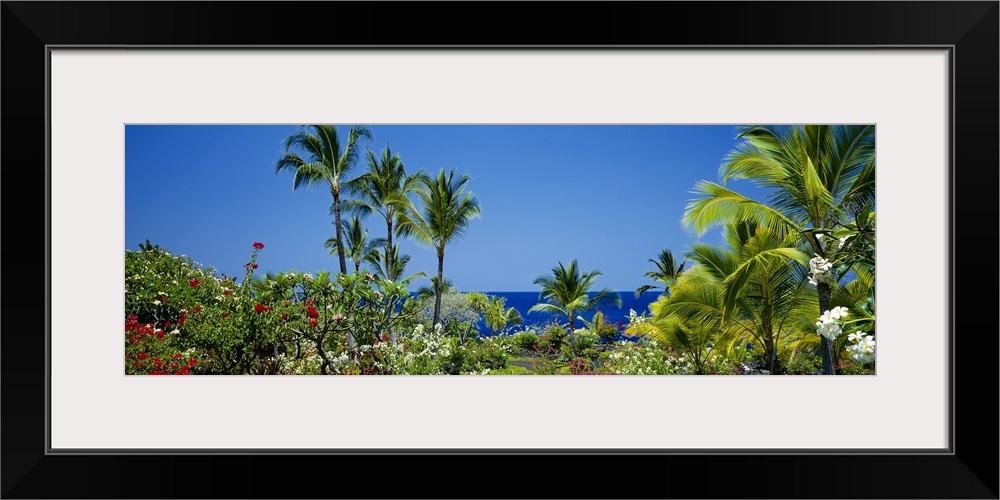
point(749, 287)
point(427, 292)
point(357, 246)
point(390, 267)
point(327, 161)
point(666, 273)
point(813, 172)
point(148, 247)
point(497, 317)
point(568, 291)
point(382, 189)
point(447, 210)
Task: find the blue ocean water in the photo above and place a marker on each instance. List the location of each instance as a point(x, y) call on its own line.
point(522, 301)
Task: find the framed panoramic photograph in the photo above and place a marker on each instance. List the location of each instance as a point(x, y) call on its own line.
point(651, 253)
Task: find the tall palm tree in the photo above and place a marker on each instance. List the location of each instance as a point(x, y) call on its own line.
point(812, 172)
point(666, 273)
point(568, 291)
point(391, 267)
point(326, 161)
point(357, 246)
point(445, 215)
point(382, 189)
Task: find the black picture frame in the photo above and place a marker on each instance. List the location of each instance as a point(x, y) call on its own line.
point(970, 29)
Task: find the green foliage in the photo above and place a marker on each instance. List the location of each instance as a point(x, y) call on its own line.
point(497, 317)
point(666, 273)
point(543, 366)
point(327, 160)
point(511, 370)
point(631, 358)
point(554, 337)
point(804, 364)
point(357, 246)
point(278, 324)
point(525, 339)
point(585, 341)
point(445, 216)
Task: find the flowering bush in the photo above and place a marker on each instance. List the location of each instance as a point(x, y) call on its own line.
point(526, 339)
point(819, 270)
point(829, 323)
point(862, 345)
point(149, 351)
point(585, 341)
point(555, 334)
point(633, 358)
point(288, 323)
point(862, 349)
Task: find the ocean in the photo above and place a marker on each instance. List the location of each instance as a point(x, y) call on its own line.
point(522, 301)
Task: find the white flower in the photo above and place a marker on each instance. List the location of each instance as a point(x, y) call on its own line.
point(307, 276)
point(839, 312)
point(856, 336)
point(829, 330)
point(840, 243)
point(290, 276)
point(156, 302)
point(175, 331)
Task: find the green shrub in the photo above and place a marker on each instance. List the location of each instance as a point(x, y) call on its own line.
point(804, 364)
point(607, 333)
point(556, 335)
point(526, 340)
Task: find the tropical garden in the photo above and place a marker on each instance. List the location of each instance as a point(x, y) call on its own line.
point(788, 290)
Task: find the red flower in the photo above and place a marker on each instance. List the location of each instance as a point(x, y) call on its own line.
point(313, 322)
point(312, 312)
point(194, 282)
point(158, 362)
point(227, 292)
point(284, 316)
point(310, 302)
point(184, 371)
point(180, 322)
point(176, 356)
point(259, 308)
point(143, 355)
point(197, 309)
point(225, 314)
point(192, 362)
point(258, 245)
point(167, 324)
point(255, 265)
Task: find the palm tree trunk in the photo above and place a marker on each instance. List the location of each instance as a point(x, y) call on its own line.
point(388, 247)
point(825, 292)
point(388, 261)
point(572, 335)
point(438, 287)
point(340, 233)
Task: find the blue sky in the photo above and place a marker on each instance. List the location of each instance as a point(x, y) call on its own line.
point(609, 196)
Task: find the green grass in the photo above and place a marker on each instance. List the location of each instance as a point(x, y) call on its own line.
point(511, 370)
